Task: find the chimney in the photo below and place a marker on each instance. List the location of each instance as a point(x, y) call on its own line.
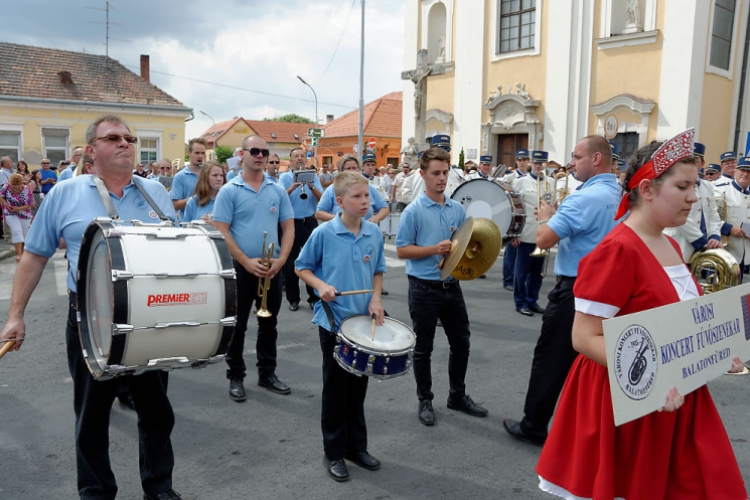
point(145, 68)
point(65, 77)
point(329, 119)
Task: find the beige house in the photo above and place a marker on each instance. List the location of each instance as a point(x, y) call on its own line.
point(543, 73)
point(49, 97)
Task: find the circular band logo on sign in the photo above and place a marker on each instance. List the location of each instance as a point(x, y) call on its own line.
point(636, 362)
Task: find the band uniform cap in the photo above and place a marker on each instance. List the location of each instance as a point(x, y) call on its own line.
point(702, 172)
point(419, 154)
point(621, 164)
point(369, 157)
point(522, 154)
point(713, 168)
point(486, 159)
point(441, 141)
point(728, 155)
point(615, 151)
point(699, 149)
point(539, 156)
point(744, 163)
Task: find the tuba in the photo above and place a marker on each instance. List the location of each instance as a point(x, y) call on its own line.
point(714, 269)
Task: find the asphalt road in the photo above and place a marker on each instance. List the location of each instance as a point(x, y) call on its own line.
point(271, 445)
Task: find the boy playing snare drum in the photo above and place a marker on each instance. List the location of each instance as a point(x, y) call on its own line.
point(343, 254)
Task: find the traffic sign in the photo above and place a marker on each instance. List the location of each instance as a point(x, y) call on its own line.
point(315, 132)
point(309, 154)
point(314, 141)
point(372, 143)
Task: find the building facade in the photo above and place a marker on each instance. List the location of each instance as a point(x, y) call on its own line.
point(539, 74)
point(49, 97)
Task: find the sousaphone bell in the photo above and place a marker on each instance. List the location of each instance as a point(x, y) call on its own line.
point(475, 246)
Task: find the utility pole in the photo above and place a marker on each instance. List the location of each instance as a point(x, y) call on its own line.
point(361, 83)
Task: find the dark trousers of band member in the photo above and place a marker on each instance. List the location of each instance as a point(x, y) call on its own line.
point(428, 301)
point(553, 357)
point(509, 264)
point(342, 417)
point(303, 228)
point(527, 276)
point(93, 402)
point(265, 344)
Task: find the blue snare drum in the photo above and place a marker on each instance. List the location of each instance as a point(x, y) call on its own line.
point(388, 356)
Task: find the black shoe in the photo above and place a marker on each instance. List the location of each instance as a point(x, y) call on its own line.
point(236, 390)
point(525, 311)
point(126, 401)
point(483, 277)
point(293, 306)
point(336, 469)
point(312, 303)
point(364, 460)
point(426, 413)
point(273, 384)
point(535, 308)
point(513, 428)
point(466, 405)
point(170, 494)
point(508, 287)
point(383, 292)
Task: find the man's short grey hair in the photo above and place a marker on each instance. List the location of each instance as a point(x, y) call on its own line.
point(4, 160)
point(91, 131)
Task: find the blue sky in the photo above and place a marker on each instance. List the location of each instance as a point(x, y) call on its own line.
point(252, 48)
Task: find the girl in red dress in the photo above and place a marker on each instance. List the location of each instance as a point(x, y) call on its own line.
point(682, 451)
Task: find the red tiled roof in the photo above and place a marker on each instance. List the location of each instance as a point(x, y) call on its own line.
point(220, 128)
point(35, 72)
point(382, 117)
point(283, 131)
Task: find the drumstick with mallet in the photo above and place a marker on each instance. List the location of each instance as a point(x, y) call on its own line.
point(374, 319)
point(353, 292)
point(7, 347)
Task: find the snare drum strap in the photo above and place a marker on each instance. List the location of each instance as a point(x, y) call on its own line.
point(110, 207)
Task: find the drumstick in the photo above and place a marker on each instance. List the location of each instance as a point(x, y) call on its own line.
point(374, 319)
point(353, 292)
point(10, 344)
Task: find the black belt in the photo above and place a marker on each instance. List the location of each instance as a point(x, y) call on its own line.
point(304, 219)
point(560, 279)
point(440, 285)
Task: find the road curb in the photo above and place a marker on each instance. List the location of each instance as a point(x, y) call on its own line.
point(6, 254)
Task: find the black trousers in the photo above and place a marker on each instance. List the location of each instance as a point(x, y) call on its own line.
point(428, 301)
point(553, 357)
point(303, 228)
point(93, 402)
point(265, 344)
point(342, 418)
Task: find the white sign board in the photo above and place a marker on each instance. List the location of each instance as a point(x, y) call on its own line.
point(233, 163)
point(610, 126)
point(471, 154)
point(683, 345)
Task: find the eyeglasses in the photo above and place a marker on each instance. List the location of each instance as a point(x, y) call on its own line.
point(273, 162)
point(165, 168)
point(115, 138)
point(45, 163)
point(257, 151)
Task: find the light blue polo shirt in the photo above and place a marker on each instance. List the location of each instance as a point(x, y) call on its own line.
point(347, 263)
point(583, 220)
point(69, 208)
point(302, 208)
point(249, 213)
point(328, 203)
point(425, 223)
point(193, 211)
point(66, 174)
point(183, 186)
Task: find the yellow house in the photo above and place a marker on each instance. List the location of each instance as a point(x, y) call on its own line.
point(49, 97)
point(511, 74)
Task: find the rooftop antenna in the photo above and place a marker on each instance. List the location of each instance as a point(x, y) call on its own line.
point(108, 6)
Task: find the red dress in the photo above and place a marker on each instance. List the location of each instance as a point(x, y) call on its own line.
point(683, 455)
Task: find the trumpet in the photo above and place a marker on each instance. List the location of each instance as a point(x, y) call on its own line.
point(541, 252)
point(563, 192)
point(303, 194)
point(264, 283)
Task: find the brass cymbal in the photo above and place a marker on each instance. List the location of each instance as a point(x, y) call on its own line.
point(475, 247)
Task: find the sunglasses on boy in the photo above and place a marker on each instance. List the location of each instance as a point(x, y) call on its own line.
point(257, 151)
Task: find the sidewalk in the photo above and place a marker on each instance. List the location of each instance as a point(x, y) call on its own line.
point(6, 250)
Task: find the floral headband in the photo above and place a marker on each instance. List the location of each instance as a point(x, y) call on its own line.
point(676, 149)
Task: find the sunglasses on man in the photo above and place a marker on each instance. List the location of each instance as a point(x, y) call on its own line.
point(274, 162)
point(258, 151)
point(115, 138)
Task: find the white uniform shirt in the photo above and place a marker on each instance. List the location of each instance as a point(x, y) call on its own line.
point(526, 186)
point(689, 235)
point(738, 211)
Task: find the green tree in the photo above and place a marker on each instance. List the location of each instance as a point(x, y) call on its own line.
point(461, 159)
point(223, 153)
point(290, 118)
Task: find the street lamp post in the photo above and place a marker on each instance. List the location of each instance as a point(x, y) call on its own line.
point(213, 133)
point(315, 148)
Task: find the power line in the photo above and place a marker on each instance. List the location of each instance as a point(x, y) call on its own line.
point(217, 84)
point(343, 30)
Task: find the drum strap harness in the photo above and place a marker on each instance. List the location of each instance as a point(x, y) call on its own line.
point(110, 207)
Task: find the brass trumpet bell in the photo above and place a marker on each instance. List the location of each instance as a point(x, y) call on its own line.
point(475, 247)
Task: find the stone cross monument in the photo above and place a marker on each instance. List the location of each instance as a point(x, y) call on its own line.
point(419, 77)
